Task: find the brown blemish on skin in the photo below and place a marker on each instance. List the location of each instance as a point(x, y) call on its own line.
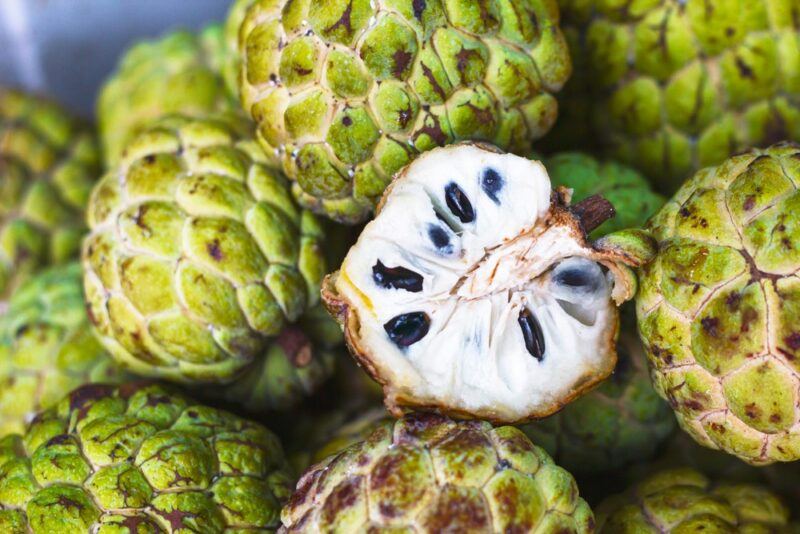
point(344, 20)
point(710, 325)
point(401, 60)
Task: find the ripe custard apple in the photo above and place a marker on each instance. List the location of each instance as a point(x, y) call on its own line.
point(474, 291)
point(676, 85)
point(621, 422)
point(427, 473)
point(46, 347)
point(177, 73)
point(197, 254)
point(717, 308)
point(140, 458)
point(345, 93)
point(683, 500)
point(629, 191)
point(48, 165)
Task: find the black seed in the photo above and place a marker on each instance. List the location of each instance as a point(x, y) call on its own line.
point(492, 183)
point(458, 203)
point(408, 328)
point(440, 239)
point(578, 277)
point(532, 334)
point(396, 278)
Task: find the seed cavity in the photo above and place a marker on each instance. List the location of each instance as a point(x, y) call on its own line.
point(492, 183)
point(580, 275)
point(406, 329)
point(532, 334)
point(396, 278)
point(440, 239)
point(458, 203)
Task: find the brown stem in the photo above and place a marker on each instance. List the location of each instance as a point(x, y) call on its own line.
point(593, 211)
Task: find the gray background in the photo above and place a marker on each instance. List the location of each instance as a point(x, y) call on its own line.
point(66, 47)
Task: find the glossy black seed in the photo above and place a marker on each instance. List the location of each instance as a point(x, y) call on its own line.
point(532, 334)
point(396, 278)
point(492, 183)
point(587, 278)
point(407, 328)
point(440, 239)
point(458, 203)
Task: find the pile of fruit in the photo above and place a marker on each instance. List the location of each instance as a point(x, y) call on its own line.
point(412, 266)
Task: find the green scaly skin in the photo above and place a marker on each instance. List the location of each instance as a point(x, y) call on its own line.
point(431, 474)
point(140, 458)
point(198, 255)
point(684, 500)
point(47, 348)
point(48, 165)
point(621, 422)
point(629, 191)
point(718, 307)
point(175, 74)
point(345, 93)
point(671, 86)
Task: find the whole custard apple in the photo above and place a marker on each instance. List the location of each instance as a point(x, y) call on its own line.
point(428, 474)
point(49, 163)
point(198, 255)
point(140, 458)
point(717, 308)
point(683, 500)
point(180, 72)
point(476, 293)
point(47, 348)
point(346, 92)
point(671, 86)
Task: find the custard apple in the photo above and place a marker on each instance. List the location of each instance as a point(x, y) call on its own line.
point(140, 458)
point(346, 92)
point(46, 347)
point(474, 291)
point(676, 85)
point(683, 500)
point(621, 422)
point(629, 191)
point(717, 308)
point(426, 473)
point(197, 254)
point(177, 73)
point(48, 165)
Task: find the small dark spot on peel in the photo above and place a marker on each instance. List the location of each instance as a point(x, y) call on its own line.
point(214, 250)
point(347, 121)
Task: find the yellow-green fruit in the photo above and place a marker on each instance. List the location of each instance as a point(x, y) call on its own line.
point(671, 86)
point(718, 307)
point(48, 165)
point(197, 254)
point(47, 347)
point(178, 73)
point(140, 458)
point(683, 500)
point(345, 93)
point(426, 473)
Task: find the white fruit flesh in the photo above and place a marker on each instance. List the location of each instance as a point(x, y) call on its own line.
point(481, 268)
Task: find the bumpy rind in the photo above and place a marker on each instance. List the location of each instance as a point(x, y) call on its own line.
point(197, 255)
point(140, 458)
point(717, 309)
point(345, 93)
point(433, 474)
point(672, 86)
point(49, 162)
point(684, 500)
point(177, 73)
point(47, 348)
